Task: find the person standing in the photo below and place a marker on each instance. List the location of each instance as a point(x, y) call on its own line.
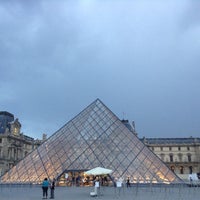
point(128, 182)
point(52, 187)
point(45, 185)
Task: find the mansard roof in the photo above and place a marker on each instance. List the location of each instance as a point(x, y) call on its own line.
point(170, 141)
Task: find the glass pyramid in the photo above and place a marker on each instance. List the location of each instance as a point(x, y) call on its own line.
point(94, 138)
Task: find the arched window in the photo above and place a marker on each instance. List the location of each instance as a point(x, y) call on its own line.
point(189, 158)
point(171, 157)
point(181, 169)
point(172, 168)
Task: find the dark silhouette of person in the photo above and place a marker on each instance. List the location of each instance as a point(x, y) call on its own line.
point(52, 187)
point(128, 182)
point(45, 186)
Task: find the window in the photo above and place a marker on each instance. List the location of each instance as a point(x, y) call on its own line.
point(179, 148)
point(161, 148)
point(190, 169)
point(162, 156)
point(188, 148)
point(181, 169)
point(180, 156)
point(10, 165)
point(26, 153)
point(172, 168)
point(15, 131)
point(170, 148)
point(171, 158)
point(189, 158)
point(0, 140)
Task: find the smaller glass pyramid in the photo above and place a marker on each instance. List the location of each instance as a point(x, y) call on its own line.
point(94, 138)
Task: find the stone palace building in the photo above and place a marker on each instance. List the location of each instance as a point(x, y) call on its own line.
point(181, 155)
point(14, 145)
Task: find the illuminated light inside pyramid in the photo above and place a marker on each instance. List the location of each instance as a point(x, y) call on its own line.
point(94, 138)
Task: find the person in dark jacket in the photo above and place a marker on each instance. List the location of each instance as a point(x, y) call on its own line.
point(128, 182)
point(45, 186)
point(52, 187)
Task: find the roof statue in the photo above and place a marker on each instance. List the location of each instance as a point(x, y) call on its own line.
point(94, 138)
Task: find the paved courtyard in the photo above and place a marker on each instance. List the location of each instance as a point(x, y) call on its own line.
point(21, 192)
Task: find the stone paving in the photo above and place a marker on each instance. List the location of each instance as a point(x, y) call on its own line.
point(21, 192)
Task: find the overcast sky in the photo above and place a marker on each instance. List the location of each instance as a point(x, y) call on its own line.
point(140, 58)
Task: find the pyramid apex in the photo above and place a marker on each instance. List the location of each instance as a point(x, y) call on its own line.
point(98, 100)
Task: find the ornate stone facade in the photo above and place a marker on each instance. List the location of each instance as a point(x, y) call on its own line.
point(14, 145)
point(182, 155)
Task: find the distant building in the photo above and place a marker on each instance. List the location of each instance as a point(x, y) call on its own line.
point(5, 119)
point(14, 145)
point(131, 127)
point(181, 155)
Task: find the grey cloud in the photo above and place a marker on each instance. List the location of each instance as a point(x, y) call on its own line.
point(57, 57)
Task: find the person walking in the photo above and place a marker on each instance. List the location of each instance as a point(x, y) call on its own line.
point(52, 187)
point(45, 185)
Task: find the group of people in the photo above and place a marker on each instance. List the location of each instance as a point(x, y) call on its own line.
point(45, 186)
point(51, 184)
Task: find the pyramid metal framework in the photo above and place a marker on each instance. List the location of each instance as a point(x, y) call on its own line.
point(95, 137)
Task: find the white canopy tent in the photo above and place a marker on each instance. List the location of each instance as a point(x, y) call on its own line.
point(98, 171)
point(95, 172)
